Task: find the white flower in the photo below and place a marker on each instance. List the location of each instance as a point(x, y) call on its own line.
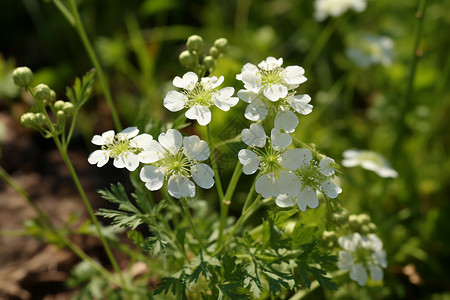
point(311, 177)
point(369, 160)
point(335, 8)
point(370, 50)
point(199, 96)
point(126, 148)
point(176, 159)
point(272, 159)
point(269, 88)
point(362, 254)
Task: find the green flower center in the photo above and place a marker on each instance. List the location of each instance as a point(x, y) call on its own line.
point(121, 146)
point(269, 159)
point(269, 77)
point(310, 175)
point(200, 96)
point(178, 164)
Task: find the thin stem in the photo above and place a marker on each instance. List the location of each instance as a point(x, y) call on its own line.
point(90, 210)
point(225, 203)
point(187, 213)
point(65, 12)
point(412, 72)
point(320, 42)
point(93, 57)
point(214, 164)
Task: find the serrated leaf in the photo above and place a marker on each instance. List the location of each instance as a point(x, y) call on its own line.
point(116, 194)
point(121, 219)
point(81, 90)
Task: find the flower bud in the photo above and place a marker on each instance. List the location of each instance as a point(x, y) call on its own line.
point(329, 238)
point(354, 222)
point(42, 92)
point(39, 119)
point(59, 105)
point(372, 227)
point(68, 109)
point(208, 62)
point(22, 76)
point(60, 117)
point(364, 219)
point(195, 43)
point(27, 119)
point(341, 217)
point(52, 96)
point(221, 44)
point(214, 52)
point(186, 58)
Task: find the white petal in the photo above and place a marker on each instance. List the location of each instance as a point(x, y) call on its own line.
point(291, 159)
point(305, 157)
point(195, 148)
point(179, 186)
point(300, 103)
point(247, 96)
point(349, 242)
point(326, 166)
point(99, 158)
point(376, 273)
point(254, 136)
point(224, 100)
point(256, 110)
point(188, 81)
point(307, 197)
point(275, 91)
point(251, 81)
point(284, 200)
point(375, 243)
point(212, 82)
point(153, 177)
point(249, 161)
point(294, 75)
point(129, 161)
point(175, 101)
point(286, 120)
point(203, 175)
point(142, 141)
point(152, 153)
point(345, 261)
point(359, 274)
point(330, 189)
point(380, 258)
point(105, 138)
point(270, 63)
point(200, 113)
point(128, 133)
point(171, 140)
point(289, 183)
point(280, 140)
point(266, 185)
point(387, 172)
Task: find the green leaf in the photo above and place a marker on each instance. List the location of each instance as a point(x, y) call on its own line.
point(117, 195)
point(81, 89)
point(120, 218)
point(170, 285)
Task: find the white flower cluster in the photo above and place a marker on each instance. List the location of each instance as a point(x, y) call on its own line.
point(371, 50)
point(361, 254)
point(335, 8)
point(292, 176)
point(172, 158)
point(198, 96)
point(127, 148)
point(269, 87)
point(369, 160)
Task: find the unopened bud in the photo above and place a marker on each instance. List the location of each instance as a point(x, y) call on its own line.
point(22, 76)
point(42, 92)
point(60, 117)
point(186, 58)
point(195, 43)
point(59, 105)
point(68, 109)
point(27, 119)
point(353, 222)
point(52, 96)
point(214, 52)
point(39, 119)
point(364, 219)
point(372, 227)
point(221, 44)
point(208, 62)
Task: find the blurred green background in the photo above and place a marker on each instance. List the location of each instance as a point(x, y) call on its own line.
point(373, 107)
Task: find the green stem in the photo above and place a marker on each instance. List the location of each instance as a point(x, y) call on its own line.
point(65, 12)
point(214, 164)
point(187, 213)
point(320, 42)
point(225, 203)
point(93, 57)
point(90, 210)
point(412, 72)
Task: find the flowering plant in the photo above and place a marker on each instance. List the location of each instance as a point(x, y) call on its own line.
point(172, 220)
